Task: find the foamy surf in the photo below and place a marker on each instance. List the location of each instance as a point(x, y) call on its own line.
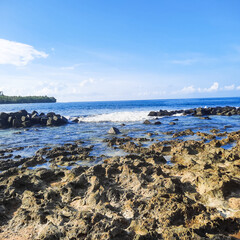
point(117, 117)
point(178, 115)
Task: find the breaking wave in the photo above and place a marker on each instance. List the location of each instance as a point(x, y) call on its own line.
point(133, 116)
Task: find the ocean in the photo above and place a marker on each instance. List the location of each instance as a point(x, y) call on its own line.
point(96, 118)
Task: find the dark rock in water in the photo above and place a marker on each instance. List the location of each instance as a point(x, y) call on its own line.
point(114, 130)
point(205, 118)
point(188, 112)
point(4, 116)
point(176, 119)
point(157, 123)
point(27, 124)
point(123, 124)
point(227, 126)
point(152, 114)
point(25, 119)
point(50, 122)
point(43, 120)
point(56, 120)
point(147, 122)
point(172, 123)
point(75, 120)
point(34, 112)
point(51, 114)
point(201, 111)
point(23, 112)
point(16, 123)
point(63, 120)
point(4, 120)
point(224, 111)
point(35, 118)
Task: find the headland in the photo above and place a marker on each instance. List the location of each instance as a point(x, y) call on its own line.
point(25, 99)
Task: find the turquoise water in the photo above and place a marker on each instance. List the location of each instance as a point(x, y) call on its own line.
point(97, 117)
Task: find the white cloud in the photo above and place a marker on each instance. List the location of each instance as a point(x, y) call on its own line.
point(85, 82)
point(213, 88)
point(192, 89)
point(64, 88)
point(189, 89)
point(18, 54)
point(71, 67)
point(229, 88)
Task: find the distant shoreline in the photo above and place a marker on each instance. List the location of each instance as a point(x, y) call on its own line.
point(27, 99)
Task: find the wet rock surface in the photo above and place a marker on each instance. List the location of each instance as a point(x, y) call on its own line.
point(113, 130)
point(224, 111)
point(23, 119)
point(137, 196)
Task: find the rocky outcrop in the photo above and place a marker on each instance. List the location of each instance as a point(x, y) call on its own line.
point(138, 196)
point(225, 111)
point(25, 119)
point(113, 130)
point(164, 113)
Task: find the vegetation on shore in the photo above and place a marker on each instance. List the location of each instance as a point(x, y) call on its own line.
point(28, 99)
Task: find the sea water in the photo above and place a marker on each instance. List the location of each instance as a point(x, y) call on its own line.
point(96, 118)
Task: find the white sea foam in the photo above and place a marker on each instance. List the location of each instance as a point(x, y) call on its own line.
point(178, 114)
point(133, 116)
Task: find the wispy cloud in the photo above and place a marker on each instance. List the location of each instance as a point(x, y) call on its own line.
point(54, 88)
point(189, 89)
point(213, 88)
point(185, 61)
point(192, 89)
point(229, 88)
point(74, 66)
point(18, 54)
point(86, 82)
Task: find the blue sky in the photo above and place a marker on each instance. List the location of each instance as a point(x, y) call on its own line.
point(115, 50)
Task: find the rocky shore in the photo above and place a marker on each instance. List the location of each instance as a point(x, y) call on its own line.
point(223, 111)
point(172, 189)
point(25, 119)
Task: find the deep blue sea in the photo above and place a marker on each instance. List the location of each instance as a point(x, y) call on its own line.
point(97, 118)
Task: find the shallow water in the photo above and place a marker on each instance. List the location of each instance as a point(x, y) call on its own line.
point(229, 146)
point(98, 117)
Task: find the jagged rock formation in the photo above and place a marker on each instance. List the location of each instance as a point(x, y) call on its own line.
point(137, 196)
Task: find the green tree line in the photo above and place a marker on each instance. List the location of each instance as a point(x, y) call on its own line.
point(28, 99)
